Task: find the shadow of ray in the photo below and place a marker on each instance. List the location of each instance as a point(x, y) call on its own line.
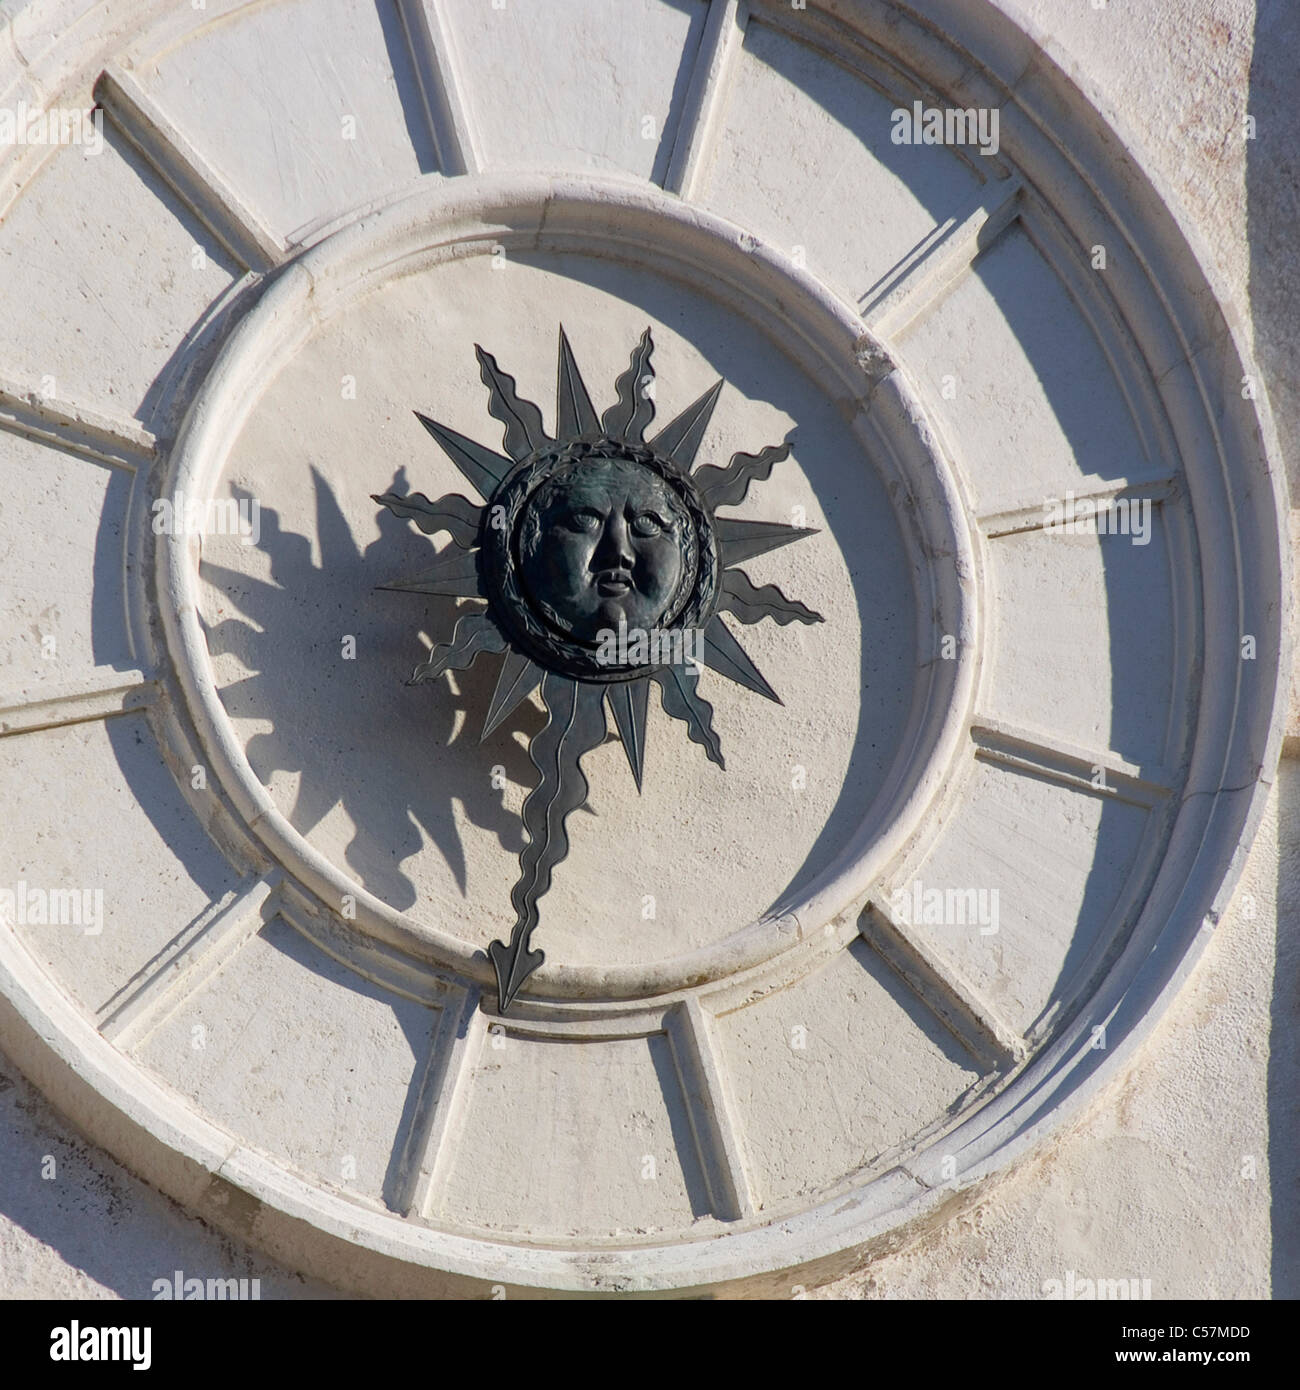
point(356, 749)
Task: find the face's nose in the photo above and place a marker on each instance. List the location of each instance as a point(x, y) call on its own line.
point(614, 549)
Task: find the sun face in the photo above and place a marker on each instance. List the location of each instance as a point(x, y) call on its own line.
point(589, 536)
point(604, 542)
point(604, 568)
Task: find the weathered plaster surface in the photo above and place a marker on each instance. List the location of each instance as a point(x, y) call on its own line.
point(1156, 1180)
point(1150, 1184)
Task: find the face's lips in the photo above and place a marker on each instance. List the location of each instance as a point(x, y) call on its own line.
point(613, 583)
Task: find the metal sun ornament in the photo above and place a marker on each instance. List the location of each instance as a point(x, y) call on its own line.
point(604, 567)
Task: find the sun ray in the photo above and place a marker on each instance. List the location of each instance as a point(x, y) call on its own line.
point(455, 575)
point(520, 676)
point(475, 633)
point(728, 658)
point(575, 416)
point(682, 700)
point(576, 725)
point(456, 515)
point(629, 701)
point(726, 487)
point(743, 540)
point(522, 419)
point(680, 438)
point(485, 469)
point(751, 604)
point(629, 417)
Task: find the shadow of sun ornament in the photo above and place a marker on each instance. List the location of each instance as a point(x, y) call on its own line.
point(604, 567)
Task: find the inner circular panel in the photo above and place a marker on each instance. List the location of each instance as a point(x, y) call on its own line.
point(391, 782)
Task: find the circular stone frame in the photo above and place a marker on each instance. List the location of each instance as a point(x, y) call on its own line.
point(1172, 303)
point(446, 222)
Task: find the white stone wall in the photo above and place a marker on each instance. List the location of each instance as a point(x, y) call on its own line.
point(1185, 1171)
point(1151, 1183)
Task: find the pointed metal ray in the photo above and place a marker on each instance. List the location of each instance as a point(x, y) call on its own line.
point(481, 466)
point(576, 726)
point(682, 700)
point(726, 487)
point(742, 540)
point(729, 658)
point(574, 413)
point(752, 605)
point(629, 701)
point(522, 419)
point(680, 439)
point(455, 574)
point(475, 633)
point(630, 415)
point(456, 515)
point(520, 676)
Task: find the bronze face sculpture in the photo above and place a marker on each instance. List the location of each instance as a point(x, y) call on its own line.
point(605, 543)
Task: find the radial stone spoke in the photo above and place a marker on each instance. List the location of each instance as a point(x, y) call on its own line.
point(940, 259)
point(483, 467)
point(974, 1023)
point(706, 1087)
point(1092, 771)
point(440, 86)
point(680, 439)
point(706, 96)
point(726, 656)
point(455, 575)
point(427, 1144)
point(1044, 515)
point(78, 429)
point(180, 165)
point(192, 958)
point(119, 693)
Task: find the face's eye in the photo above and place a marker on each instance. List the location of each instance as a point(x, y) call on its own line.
point(583, 520)
point(648, 524)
